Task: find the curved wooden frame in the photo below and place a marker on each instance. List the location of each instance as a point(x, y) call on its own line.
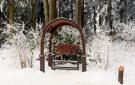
point(51, 28)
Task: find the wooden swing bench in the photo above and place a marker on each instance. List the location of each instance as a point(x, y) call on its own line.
point(62, 49)
point(65, 50)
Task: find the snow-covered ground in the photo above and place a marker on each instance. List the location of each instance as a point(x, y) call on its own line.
point(10, 75)
point(119, 54)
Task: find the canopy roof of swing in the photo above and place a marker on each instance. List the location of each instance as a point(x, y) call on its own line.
point(53, 25)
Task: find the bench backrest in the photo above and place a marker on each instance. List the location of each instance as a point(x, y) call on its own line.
point(66, 49)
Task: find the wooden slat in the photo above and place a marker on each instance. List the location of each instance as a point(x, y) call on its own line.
point(66, 68)
point(63, 61)
point(66, 49)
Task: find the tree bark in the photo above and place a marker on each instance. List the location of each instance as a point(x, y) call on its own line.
point(10, 11)
point(110, 20)
point(82, 13)
point(95, 28)
point(52, 10)
point(79, 12)
point(46, 11)
point(109, 15)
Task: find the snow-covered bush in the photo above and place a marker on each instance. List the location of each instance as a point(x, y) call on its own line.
point(98, 52)
point(22, 42)
point(104, 52)
point(125, 31)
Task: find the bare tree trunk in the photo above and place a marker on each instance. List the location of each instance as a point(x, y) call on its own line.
point(95, 28)
point(110, 22)
point(46, 11)
point(109, 15)
point(10, 11)
point(79, 12)
point(82, 13)
point(33, 18)
point(52, 10)
point(10, 17)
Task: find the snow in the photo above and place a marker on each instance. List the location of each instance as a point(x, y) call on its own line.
point(120, 53)
point(12, 76)
point(134, 2)
point(1, 5)
point(103, 59)
point(34, 77)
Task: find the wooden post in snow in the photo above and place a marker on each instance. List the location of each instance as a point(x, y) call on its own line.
point(120, 74)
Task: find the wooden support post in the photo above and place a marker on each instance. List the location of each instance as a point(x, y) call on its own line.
point(84, 63)
point(49, 60)
point(42, 63)
point(50, 51)
point(77, 62)
point(120, 74)
point(52, 55)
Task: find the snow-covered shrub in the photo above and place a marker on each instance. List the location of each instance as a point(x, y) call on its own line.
point(125, 31)
point(105, 53)
point(22, 42)
point(3, 36)
point(98, 52)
